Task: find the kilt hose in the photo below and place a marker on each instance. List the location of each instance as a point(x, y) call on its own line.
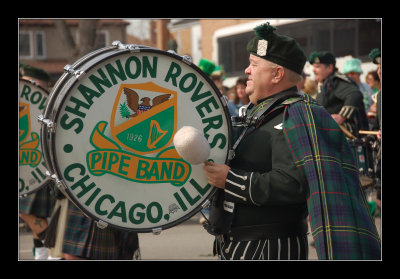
point(284, 248)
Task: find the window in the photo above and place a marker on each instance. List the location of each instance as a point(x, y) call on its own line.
point(25, 44)
point(40, 44)
point(102, 39)
point(344, 38)
point(369, 36)
point(233, 55)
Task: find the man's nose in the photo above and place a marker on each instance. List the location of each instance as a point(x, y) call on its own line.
point(247, 70)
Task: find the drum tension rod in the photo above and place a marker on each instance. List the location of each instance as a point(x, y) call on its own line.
point(130, 47)
point(50, 124)
point(57, 181)
point(101, 224)
point(187, 59)
point(79, 74)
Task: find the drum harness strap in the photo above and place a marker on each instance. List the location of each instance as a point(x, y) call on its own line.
point(248, 121)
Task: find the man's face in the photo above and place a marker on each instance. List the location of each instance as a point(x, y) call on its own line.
point(354, 76)
point(322, 71)
point(260, 74)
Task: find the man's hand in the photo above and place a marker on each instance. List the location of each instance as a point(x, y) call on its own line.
point(338, 118)
point(216, 174)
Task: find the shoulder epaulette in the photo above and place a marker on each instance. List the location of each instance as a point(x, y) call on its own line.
point(291, 100)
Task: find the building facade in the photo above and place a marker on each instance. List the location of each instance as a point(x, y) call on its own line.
point(41, 45)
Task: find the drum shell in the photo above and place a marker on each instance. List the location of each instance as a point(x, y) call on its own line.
point(362, 153)
point(61, 95)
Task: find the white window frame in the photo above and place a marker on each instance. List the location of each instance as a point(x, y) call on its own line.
point(43, 56)
point(30, 56)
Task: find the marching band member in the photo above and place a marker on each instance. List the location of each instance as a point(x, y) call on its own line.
point(35, 208)
point(292, 161)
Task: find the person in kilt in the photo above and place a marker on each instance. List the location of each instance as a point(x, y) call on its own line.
point(291, 160)
point(338, 94)
point(84, 240)
point(35, 208)
point(375, 56)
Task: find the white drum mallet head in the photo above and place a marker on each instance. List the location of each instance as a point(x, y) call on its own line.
point(191, 145)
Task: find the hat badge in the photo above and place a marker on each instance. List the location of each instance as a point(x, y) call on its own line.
point(262, 47)
point(316, 60)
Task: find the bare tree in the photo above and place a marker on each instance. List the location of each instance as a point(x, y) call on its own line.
point(87, 33)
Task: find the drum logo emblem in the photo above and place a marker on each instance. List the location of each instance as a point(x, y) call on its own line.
point(144, 117)
point(28, 149)
point(143, 122)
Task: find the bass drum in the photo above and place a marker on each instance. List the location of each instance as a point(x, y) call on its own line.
point(32, 167)
point(109, 127)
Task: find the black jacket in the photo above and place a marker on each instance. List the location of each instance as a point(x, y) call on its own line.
point(264, 183)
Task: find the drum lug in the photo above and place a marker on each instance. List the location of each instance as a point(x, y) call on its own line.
point(116, 43)
point(187, 59)
point(77, 73)
point(101, 224)
point(50, 124)
point(130, 47)
point(156, 231)
point(60, 185)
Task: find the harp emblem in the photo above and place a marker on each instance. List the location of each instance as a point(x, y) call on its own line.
point(155, 135)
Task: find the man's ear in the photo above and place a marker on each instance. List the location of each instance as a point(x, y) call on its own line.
point(279, 74)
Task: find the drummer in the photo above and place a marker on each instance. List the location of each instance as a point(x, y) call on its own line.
point(272, 183)
point(338, 94)
point(35, 208)
point(375, 56)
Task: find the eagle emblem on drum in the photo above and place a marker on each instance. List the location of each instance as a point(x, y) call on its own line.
point(132, 98)
point(144, 117)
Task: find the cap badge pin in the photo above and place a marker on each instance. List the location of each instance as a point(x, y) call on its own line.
point(262, 47)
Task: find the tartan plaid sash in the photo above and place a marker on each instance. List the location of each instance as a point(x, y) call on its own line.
point(341, 223)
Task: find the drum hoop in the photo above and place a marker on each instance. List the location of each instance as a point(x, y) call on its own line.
point(55, 114)
point(46, 180)
point(49, 112)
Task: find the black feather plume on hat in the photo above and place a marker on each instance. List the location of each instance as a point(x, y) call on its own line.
point(265, 30)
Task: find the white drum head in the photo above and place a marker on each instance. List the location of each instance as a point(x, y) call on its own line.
point(113, 143)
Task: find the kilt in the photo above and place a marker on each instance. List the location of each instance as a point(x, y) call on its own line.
point(39, 203)
point(83, 238)
point(284, 248)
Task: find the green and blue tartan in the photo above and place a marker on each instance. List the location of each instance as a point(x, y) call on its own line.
point(341, 224)
point(39, 203)
point(83, 238)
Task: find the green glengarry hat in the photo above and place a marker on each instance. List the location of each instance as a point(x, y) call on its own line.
point(375, 56)
point(37, 73)
point(206, 66)
point(279, 49)
point(323, 57)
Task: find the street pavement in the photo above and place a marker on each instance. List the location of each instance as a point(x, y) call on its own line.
point(186, 241)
